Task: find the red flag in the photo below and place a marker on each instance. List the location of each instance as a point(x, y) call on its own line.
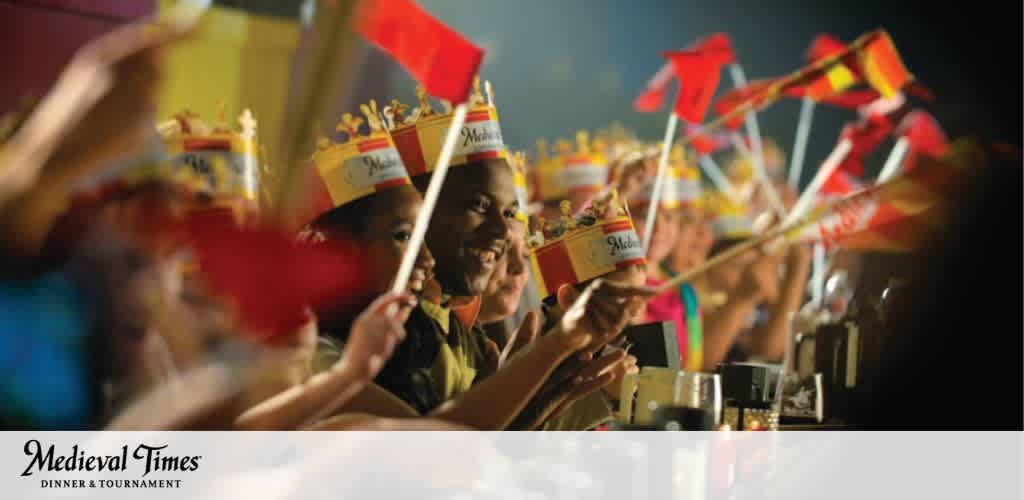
point(840, 184)
point(925, 137)
point(269, 277)
point(824, 45)
point(894, 216)
point(441, 59)
point(698, 74)
point(755, 91)
point(718, 46)
point(852, 99)
point(709, 142)
point(650, 100)
point(702, 144)
point(864, 137)
point(881, 65)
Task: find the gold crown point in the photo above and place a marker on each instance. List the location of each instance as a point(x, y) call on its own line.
point(396, 112)
point(563, 147)
point(605, 208)
point(542, 149)
point(350, 125)
point(247, 121)
point(184, 119)
point(221, 111)
point(583, 142)
point(372, 117)
point(476, 97)
point(425, 108)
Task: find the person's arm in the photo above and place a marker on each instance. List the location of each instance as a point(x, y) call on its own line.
point(769, 341)
point(372, 339)
point(494, 403)
point(574, 380)
point(723, 326)
point(597, 316)
point(291, 408)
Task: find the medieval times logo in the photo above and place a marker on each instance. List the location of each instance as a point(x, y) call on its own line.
point(142, 459)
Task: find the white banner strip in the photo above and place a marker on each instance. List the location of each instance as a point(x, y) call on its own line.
point(556, 465)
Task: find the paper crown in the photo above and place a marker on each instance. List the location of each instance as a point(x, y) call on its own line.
point(583, 169)
point(545, 175)
point(419, 136)
point(682, 184)
point(577, 248)
point(729, 219)
point(227, 159)
point(359, 165)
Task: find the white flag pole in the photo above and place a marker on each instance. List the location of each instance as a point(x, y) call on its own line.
point(803, 204)
point(818, 274)
point(710, 168)
point(803, 131)
point(659, 180)
point(419, 230)
point(757, 155)
point(895, 159)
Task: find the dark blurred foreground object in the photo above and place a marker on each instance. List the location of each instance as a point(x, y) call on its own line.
point(951, 356)
point(654, 344)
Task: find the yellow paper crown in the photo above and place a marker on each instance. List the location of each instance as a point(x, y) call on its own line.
point(225, 157)
point(360, 165)
point(729, 219)
point(546, 173)
point(577, 248)
point(688, 186)
point(583, 169)
point(419, 136)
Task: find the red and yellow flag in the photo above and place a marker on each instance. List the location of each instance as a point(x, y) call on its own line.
point(882, 66)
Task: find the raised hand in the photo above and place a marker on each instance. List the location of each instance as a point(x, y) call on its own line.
point(575, 378)
point(375, 333)
point(600, 313)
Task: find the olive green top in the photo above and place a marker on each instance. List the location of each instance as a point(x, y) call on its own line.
point(437, 361)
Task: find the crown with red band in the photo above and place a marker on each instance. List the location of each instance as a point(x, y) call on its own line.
point(579, 170)
point(419, 136)
point(360, 165)
point(226, 158)
point(576, 248)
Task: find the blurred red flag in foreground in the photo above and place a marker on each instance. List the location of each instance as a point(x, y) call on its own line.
point(895, 216)
point(865, 136)
point(271, 278)
point(925, 136)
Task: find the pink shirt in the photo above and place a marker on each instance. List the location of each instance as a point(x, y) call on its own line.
point(669, 307)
